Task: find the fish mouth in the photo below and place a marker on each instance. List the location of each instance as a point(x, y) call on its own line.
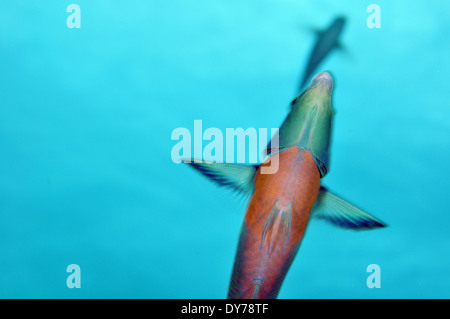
point(324, 80)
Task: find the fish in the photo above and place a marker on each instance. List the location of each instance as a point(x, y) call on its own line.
point(327, 41)
point(283, 203)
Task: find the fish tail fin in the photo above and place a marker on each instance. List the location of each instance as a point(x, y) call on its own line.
point(277, 227)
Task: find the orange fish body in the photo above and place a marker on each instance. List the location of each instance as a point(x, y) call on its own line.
point(283, 201)
point(261, 265)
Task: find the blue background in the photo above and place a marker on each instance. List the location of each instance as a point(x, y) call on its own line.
point(86, 117)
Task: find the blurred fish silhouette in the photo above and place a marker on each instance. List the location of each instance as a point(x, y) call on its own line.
point(282, 203)
point(327, 41)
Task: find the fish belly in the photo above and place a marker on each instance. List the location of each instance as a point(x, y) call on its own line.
point(274, 225)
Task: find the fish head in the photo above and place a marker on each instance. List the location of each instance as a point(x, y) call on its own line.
point(317, 96)
point(321, 85)
point(339, 22)
point(308, 124)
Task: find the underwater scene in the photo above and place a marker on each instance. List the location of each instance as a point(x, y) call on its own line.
point(212, 149)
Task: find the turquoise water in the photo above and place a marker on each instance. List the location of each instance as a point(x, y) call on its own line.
point(86, 116)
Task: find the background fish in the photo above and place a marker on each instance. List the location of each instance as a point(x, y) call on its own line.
point(327, 41)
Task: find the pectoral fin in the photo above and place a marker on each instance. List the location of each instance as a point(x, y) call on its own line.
point(341, 213)
point(238, 177)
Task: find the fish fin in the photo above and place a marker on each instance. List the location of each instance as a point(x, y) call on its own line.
point(257, 282)
point(308, 29)
point(340, 46)
point(345, 51)
point(238, 177)
point(277, 233)
point(341, 213)
point(316, 31)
